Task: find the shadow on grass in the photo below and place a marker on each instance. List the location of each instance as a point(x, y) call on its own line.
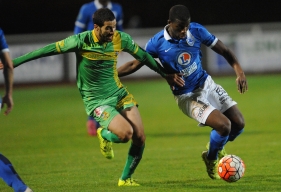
point(187, 133)
point(251, 183)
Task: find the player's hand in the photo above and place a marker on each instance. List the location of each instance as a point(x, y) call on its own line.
point(175, 78)
point(7, 100)
point(1, 65)
point(241, 83)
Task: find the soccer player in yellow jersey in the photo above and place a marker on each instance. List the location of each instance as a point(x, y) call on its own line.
point(104, 96)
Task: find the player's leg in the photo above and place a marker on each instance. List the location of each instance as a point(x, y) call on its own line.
point(10, 176)
point(237, 122)
point(114, 129)
point(136, 149)
point(219, 135)
point(197, 106)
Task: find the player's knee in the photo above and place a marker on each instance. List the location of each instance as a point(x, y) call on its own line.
point(225, 127)
point(239, 123)
point(126, 135)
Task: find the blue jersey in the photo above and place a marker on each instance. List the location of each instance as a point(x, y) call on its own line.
point(3, 43)
point(183, 56)
point(84, 20)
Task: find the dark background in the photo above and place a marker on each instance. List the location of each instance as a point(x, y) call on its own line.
point(40, 16)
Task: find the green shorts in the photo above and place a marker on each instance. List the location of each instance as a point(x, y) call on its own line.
point(104, 114)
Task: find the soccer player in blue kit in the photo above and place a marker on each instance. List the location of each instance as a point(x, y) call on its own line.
point(84, 19)
point(178, 49)
point(7, 171)
point(84, 22)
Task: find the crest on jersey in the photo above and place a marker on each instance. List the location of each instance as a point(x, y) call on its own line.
point(190, 39)
point(184, 58)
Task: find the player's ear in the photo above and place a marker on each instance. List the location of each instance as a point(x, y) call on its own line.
point(96, 27)
point(169, 21)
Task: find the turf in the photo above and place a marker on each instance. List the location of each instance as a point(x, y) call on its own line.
point(45, 138)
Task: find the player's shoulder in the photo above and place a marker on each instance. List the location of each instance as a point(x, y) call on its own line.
point(2, 36)
point(158, 37)
point(114, 4)
point(122, 34)
point(89, 6)
point(83, 36)
point(194, 25)
point(198, 29)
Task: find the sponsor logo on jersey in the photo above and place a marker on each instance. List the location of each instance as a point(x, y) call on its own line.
point(189, 70)
point(184, 58)
point(166, 50)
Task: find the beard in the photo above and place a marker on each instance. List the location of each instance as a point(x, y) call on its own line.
point(106, 37)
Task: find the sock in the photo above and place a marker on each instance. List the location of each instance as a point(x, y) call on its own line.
point(10, 176)
point(234, 133)
point(108, 135)
point(216, 143)
point(90, 118)
point(134, 157)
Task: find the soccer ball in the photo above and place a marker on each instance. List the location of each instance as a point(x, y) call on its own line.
point(231, 168)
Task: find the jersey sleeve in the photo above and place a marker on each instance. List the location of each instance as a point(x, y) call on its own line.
point(207, 38)
point(150, 48)
point(69, 44)
point(81, 20)
point(141, 55)
point(3, 43)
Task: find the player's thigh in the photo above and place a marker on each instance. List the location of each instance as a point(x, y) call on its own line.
point(235, 116)
point(108, 117)
point(121, 127)
point(132, 115)
point(195, 105)
point(219, 98)
point(219, 122)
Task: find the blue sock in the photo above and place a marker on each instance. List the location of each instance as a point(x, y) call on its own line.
point(10, 176)
point(92, 118)
point(234, 133)
point(216, 143)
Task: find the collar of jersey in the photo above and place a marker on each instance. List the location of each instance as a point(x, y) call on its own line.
point(169, 38)
point(95, 37)
point(98, 5)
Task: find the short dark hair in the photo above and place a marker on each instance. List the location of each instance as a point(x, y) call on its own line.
point(102, 15)
point(179, 12)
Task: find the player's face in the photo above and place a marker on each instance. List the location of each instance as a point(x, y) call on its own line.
point(178, 29)
point(107, 30)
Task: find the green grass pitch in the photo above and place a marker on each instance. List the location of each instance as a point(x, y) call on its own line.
point(45, 138)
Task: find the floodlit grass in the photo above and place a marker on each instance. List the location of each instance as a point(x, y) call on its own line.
point(45, 138)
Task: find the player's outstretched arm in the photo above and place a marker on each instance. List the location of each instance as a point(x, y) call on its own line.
point(48, 50)
point(8, 76)
point(132, 66)
point(129, 68)
point(241, 81)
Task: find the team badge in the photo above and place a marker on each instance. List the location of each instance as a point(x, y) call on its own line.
point(190, 40)
point(184, 58)
point(105, 115)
